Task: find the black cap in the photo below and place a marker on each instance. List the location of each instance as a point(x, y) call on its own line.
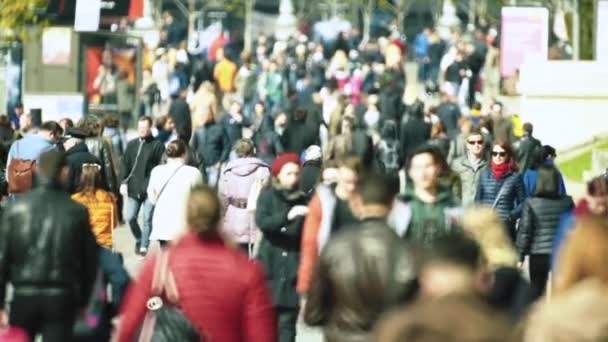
point(75, 133)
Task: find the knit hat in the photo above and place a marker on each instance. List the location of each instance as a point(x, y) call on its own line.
point(282, 160)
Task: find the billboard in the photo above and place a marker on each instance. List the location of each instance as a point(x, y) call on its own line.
point(524, 36)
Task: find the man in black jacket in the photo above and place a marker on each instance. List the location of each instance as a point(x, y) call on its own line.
point(414, 131)
point(141, 156)
point(77, 154)
point(527, 149)
point(49, 254)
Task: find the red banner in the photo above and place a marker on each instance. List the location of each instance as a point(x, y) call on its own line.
point(136, 9)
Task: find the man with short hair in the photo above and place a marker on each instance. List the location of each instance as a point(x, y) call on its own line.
point(48, 253)
point(77, 155)
point(433, 208)
point(32, 145)
point(469, 166)
point(141, 156)
point(527, 148)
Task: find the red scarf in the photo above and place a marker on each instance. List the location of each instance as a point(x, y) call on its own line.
point(500, 170)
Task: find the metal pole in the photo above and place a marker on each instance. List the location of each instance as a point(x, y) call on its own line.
point(576, 31)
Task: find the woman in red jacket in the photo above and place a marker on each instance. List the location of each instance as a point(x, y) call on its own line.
point(221, 291)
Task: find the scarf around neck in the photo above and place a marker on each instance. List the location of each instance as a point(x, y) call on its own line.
point(500, 170)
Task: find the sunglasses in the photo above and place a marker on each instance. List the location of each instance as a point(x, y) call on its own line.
point(498, 154)
point(475, 142)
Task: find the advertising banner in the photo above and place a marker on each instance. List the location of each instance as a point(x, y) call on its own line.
point(524, 36)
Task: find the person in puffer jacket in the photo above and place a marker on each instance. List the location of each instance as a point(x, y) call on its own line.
point(540, 220)
point(501, 187)
point(239, 186)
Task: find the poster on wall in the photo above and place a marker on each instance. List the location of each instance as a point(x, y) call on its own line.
point(106, 67)
point(56, 45)
point(601, 37)
point(524, 36)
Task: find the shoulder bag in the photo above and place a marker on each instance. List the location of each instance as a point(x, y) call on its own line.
point(164, 321)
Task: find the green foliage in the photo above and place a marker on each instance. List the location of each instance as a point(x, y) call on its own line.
point(15, 15)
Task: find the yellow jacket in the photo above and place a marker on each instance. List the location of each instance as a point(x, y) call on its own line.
point(102, 214)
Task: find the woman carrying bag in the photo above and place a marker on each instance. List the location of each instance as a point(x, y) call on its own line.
point(501, 187)
point(168, 190)
point(210, 291)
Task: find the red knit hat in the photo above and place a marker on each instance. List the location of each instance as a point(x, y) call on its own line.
point(282, 160)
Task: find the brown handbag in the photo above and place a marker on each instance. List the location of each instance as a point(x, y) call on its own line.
point(20, 174)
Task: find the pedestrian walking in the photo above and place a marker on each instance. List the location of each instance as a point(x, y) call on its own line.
point(501, 187)
point(343, 298)
point(221, 292)
point(431, 205)
point(329, 211)
point(48, 253)
point(280, 214)
point(539, 223)
point(168, 191)
point(470, 166)
point(240, 184)
point(141, 156)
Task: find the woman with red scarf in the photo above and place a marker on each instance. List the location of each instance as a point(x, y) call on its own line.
point(501, 186)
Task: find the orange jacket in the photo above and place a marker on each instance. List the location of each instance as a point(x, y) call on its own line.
point(102, 214)
point(309, 251)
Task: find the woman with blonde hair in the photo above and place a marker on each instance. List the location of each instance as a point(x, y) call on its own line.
point(508, 291)
point(578, 309)
point(204, 105)
point(584, 254)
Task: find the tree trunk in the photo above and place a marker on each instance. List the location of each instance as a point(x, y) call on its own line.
point(367, 20)
point(249, 5)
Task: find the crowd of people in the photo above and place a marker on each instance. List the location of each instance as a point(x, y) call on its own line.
point(295, 182)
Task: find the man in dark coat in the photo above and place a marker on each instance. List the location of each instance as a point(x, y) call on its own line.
point(414, 131)
point(77, 155)
point(528, 148)
point(49, 254)
point(299, 134)
point(141, 156)
point(179, 111)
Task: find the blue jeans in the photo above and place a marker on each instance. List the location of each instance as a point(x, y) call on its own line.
point(132, 207)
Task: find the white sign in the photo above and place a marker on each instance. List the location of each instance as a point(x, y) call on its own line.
point(56, 106)
point(56, 45)
point(87, 16)
point(601, 33)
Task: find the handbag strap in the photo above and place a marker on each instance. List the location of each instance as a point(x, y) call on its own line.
point(499, 195)
point(167, 182)
point(163, 280)
point(139, 149)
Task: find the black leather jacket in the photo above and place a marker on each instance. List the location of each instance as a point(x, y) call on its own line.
point(102, 149)
point(47, 246)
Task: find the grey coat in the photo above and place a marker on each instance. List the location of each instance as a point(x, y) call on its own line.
point(469, 177)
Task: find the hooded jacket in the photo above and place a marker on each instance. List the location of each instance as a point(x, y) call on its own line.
point(238, 188)
point(429, 221)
